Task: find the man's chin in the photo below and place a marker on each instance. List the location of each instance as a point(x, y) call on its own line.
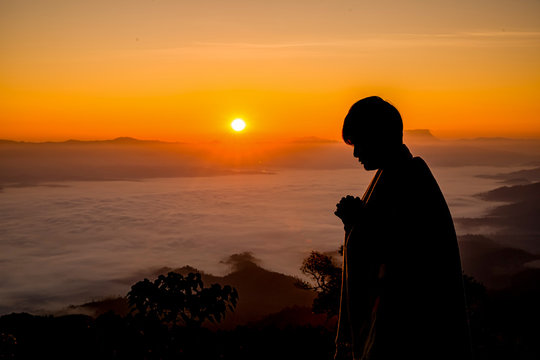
point(369, 167)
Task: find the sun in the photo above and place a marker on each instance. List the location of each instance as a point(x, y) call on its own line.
point(238, 124)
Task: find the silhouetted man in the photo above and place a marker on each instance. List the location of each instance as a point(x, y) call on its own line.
point(402, 292)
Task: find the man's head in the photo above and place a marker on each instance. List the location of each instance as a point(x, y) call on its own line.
point(375, 129)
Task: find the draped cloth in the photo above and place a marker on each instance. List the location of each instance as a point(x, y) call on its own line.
point(402, 291)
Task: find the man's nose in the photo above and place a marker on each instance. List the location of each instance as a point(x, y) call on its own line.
point(356, 151)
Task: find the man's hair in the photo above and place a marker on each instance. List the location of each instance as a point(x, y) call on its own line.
point(376, 118)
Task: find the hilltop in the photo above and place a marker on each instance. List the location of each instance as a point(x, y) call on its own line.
point(262, 293)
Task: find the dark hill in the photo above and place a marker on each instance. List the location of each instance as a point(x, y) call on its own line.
point(516, 193)
point(514, 223)
point(517, 177)
point(496, 265)
point(261, 293)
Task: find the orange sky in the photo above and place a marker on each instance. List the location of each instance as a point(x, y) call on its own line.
point(182, 70)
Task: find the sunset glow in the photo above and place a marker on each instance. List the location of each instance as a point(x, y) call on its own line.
point(171, 70)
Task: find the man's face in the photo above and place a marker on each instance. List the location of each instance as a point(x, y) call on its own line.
point(367, 154)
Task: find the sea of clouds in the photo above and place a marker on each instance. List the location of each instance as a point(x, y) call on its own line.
point(77, 241)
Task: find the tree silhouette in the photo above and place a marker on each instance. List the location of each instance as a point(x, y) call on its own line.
point(327, 277)
point(176, 299)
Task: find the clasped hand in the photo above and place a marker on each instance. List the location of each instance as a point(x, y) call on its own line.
point(348, 210)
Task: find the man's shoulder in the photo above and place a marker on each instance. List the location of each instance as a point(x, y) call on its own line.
point(419, 163)
point(419, 172)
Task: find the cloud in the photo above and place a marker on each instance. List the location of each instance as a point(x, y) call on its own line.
point(383, 40)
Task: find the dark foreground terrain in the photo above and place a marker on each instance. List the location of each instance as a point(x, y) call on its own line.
point(504, 325)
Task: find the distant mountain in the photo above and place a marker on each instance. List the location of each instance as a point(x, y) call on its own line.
point(118, 140)
point(516, 177)
point(126, 158)
point(118, 159)
point(516, 193)
point(125, 140)
point(419, 134)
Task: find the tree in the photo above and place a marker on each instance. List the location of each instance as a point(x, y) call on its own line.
point(327, 283)
point(175, 299)
point(327, 277)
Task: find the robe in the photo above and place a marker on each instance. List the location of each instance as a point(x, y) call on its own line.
point(402, 291)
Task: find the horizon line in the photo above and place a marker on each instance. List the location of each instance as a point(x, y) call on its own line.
point(306, 139)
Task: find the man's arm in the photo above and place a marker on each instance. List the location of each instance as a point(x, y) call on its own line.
point(343, 336)
point(348, 210)
point(361, 273)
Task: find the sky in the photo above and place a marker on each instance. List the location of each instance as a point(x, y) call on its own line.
point(179, 70)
